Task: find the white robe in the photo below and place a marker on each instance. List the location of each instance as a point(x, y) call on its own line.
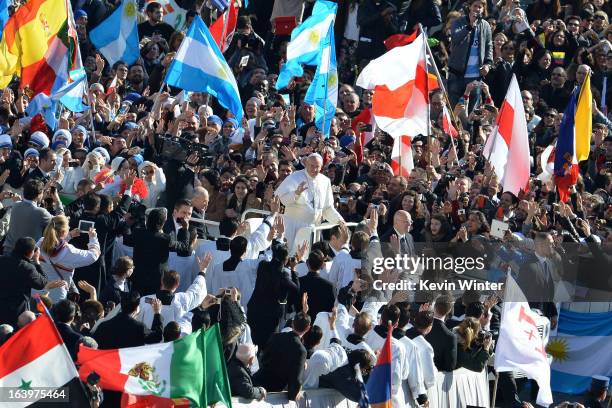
point(243, 278)
point(413, 386)
point(323, 361)
point(342, 270)
point(311, 207)
point(426, 361)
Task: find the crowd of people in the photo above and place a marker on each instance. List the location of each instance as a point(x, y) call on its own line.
point(132, 222)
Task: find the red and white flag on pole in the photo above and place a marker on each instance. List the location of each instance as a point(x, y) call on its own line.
point(520, 346)
point(112, 86)
point(402, 161)
point(222, 39)
point(447, 123)
point(401, 97)
point(507, 148)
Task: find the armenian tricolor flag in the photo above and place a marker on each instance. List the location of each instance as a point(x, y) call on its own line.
point(379, 382)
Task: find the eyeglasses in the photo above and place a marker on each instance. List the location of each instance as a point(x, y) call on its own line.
point(507, 48)
point(600, 18)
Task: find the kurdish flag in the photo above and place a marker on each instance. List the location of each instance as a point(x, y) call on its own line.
point(578, 350)
point(35, 43)
point(26, 359)
point(379, 382)
point(191, 367)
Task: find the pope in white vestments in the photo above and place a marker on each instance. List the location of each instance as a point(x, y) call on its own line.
point(308, 199)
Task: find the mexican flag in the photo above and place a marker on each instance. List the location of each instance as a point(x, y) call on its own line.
point(191, 367)
point(26, 359)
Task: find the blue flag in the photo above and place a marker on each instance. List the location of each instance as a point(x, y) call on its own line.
point(117, 36)
point(4, 15)
point(323, 90)
point(306, 45)
point(44, 105)
point(71, 95)
point(199, 66)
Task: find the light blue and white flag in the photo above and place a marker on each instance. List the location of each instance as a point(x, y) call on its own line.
point(199, 66)
point(306, 45)
point(323, 90)
point(580, 350)
point(117, 36)
point(44, 105)
point(71, 95)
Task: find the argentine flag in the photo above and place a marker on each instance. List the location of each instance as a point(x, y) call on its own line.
point(71, 95)
point(44, 105)
point(306, 44)
point(580, 350)
point(323, 90)
point(199, 66)
point(117, 36)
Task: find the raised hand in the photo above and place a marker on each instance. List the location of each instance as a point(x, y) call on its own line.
point(204, 262)
point(301, 188)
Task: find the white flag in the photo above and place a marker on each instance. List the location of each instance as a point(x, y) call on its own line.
point(520, 345)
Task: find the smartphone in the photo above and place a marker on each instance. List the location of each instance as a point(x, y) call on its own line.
point(74, 163)
point(93, 378)
point(244, 61)
point(227, 292)
point(149, 300)
point(343, 200)
point(367, 128)
point(461, 211)
point(286, 98)
point(85, 226)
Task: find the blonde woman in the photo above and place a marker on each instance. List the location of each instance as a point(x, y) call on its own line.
point(472, 345)
point(58, 258)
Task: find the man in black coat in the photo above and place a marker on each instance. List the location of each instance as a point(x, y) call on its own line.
point(106, 222)
point(20, 272)
point(125, 331)
point(151, 250)
point(344, 379)
point(241, 382)
point(47, 162)
point(537, 276)
point(282, 363)
point(64, 313)
point(319, 290)
point(442, 340)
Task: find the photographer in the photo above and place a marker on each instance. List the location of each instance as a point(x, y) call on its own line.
point(474, 345)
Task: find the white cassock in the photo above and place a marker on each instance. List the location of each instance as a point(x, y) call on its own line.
point(413, 386)
point(426, 361)
point(256, 242)
point(309, 208)
point(243, 278)
point(342, 270)
point(323, 361)
point(399, 365)
point(179, 309)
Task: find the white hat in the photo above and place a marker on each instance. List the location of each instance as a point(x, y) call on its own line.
point(116, 163)
point(63, 133)
point(102, 153)
point(39, 139)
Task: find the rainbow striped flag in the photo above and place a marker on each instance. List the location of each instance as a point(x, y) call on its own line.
point(379, 382)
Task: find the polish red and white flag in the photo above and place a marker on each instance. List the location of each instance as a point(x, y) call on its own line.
point(507, 148)
point(401, 97)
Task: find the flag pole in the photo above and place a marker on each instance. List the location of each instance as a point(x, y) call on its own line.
point(330, 36)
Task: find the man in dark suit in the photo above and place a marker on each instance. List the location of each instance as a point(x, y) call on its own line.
point(125, 331)
point(596, 397)
point(21, 273)
point(182, 211)
point(402, 221)
point(282, 363)
point(344, 379)
point(442, 340)
point(46, 164)
point(106, 222)
point(537, 276)
point(151, 250)
point(239, 374)
point(64, 313)
point(319, 290)
point(27, 218)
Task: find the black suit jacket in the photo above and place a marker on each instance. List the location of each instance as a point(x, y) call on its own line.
point(71, 337)
point(125, 331)
point(320, 291)
point(342, 380)
point(241, 382)
point(537, 289)
point(36, 174)
point(444, 344)
point(151, 251)
point(282, 364)
point(17, 278)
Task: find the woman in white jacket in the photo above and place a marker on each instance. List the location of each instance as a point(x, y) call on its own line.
point(58, 258)
point(70, 175)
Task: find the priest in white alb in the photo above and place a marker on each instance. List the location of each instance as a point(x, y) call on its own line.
point(308, 199)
